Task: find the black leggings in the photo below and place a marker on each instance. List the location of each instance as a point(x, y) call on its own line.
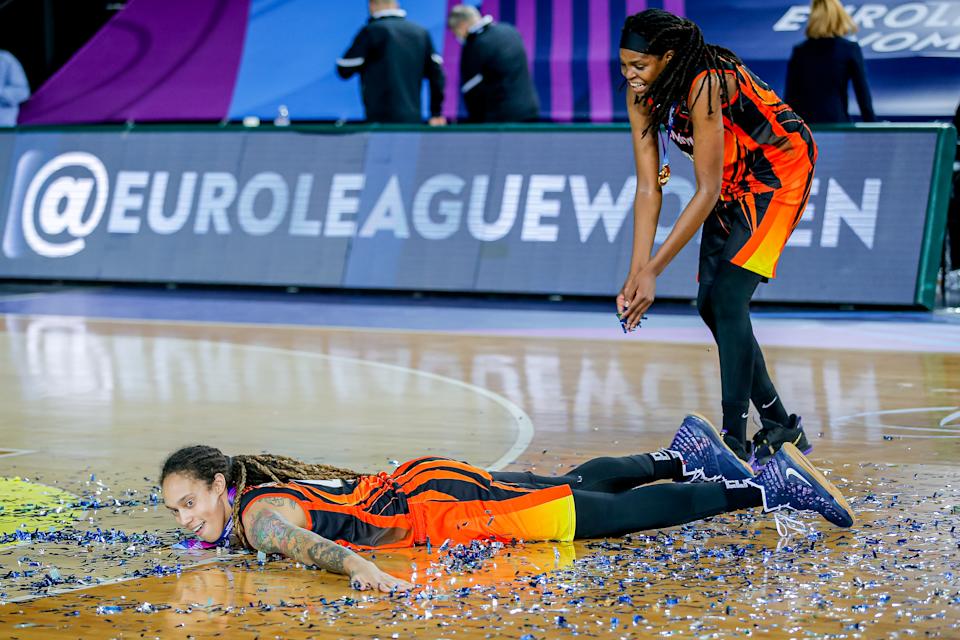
point(724, 304)
point(610, 500)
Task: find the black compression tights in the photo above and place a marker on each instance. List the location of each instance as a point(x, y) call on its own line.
point(724, 305)
point(610, 501)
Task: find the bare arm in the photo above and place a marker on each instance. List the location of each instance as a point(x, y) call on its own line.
point(269, 531)
point(708, 169)
point(646, 200)
point(649, 197)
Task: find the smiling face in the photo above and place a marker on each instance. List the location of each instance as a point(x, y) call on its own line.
point(641, 70)
point(200, 508)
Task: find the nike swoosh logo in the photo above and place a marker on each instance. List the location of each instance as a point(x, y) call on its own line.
point(745, 416)
point(770, 404)
point(793, 472)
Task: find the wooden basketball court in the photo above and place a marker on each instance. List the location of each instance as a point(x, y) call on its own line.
point(89, 408)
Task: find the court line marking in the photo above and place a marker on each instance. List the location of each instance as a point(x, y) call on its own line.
point(106, 583)
point(524, 424)
point(522, 421)
point(950, 418)
point(920, 437)
point(907, 428)
point(327, 328)
point(888, 412)
point(18, 297)
point(523, 333)
point(34, 295)
point(9, 453)
point(943, 430)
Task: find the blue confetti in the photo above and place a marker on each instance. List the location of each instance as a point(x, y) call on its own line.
point(105, 610)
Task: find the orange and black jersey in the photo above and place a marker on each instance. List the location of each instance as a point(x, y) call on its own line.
point(426, 499)
point(766, 145)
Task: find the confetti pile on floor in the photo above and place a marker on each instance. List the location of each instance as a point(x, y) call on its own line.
point(726, 577)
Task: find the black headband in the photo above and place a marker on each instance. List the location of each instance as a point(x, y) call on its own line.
point(633, 41)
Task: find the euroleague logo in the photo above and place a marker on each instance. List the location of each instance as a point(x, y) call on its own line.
point(63, 202)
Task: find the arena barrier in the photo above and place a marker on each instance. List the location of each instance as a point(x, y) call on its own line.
point(535, 210)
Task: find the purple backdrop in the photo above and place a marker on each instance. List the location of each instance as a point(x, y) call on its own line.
point(154, 61)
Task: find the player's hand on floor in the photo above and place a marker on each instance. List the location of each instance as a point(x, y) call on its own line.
point(367, 575)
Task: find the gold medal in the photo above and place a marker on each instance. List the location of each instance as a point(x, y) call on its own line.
point(663, 177)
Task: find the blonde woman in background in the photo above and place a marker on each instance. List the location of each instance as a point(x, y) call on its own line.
point(823, 66)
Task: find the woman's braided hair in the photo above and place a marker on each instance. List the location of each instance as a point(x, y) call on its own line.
point(204, 463)
point(664, 32)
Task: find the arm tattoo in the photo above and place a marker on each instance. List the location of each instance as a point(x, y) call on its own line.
point(328, 555)
point(272, 533)
point(278, 502)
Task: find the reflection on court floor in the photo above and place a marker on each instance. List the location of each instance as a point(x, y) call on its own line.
point(90, 407)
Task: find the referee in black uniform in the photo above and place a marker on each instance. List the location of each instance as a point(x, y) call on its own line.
point(494, 76)
point(393, 56)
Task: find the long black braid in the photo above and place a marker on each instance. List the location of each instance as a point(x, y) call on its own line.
point(204, 463)
point(665, 31)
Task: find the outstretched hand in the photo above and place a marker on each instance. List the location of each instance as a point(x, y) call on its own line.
point(367, 575)
point(635, 298)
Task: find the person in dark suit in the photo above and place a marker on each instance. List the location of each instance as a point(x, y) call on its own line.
point(824, 65)
point(494, 74)
point(393, 56)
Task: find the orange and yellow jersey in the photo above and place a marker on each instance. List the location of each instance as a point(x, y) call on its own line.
point(768, 162)
point(425, 500)
point(766, 146)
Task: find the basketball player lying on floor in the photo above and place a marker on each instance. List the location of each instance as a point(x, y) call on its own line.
point(316, 514)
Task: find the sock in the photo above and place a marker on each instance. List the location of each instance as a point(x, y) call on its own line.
point(735, 416)
point(667, 465)
point(772, 409)
point(741, 494)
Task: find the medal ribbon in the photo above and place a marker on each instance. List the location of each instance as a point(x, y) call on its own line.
point(664, 175)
